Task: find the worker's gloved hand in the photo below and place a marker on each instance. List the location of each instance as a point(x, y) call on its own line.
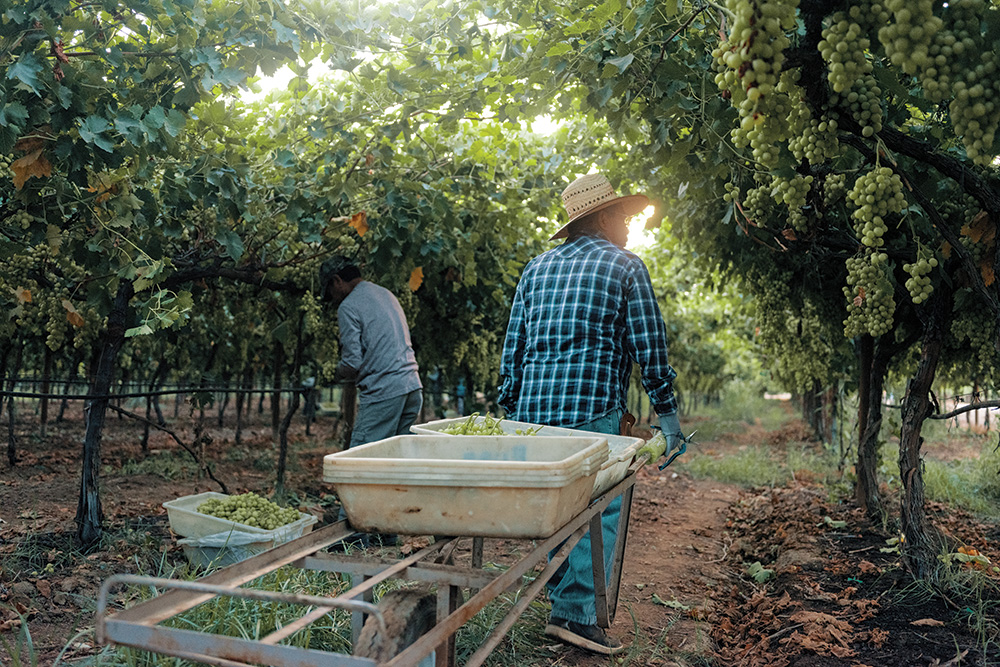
point(672, 432)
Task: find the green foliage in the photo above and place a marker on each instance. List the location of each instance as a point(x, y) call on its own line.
point(970, 483)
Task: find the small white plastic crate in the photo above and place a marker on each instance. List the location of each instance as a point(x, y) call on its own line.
point(621, 449)
point(223, 549)
point(186, 521)
point(486, 486)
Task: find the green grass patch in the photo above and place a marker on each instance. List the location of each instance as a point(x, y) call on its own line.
point(972, 484)
point(759, 465)
point(168, 465)
point(740, 405)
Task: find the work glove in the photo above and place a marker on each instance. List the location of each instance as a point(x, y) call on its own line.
point(671, 428)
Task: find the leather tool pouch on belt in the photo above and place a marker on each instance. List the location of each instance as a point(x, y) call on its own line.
point(626, 424)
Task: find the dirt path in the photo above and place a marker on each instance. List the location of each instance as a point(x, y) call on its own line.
point(673, 558)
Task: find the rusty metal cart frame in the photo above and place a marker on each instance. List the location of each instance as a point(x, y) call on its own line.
point(139, 627)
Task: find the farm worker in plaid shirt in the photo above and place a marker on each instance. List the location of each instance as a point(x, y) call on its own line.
point(582, 314)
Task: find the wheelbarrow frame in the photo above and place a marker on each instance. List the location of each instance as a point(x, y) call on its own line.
point(139, 626)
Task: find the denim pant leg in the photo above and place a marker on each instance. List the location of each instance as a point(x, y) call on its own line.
point(571, 590)
point(378, 420)
point(412, 403)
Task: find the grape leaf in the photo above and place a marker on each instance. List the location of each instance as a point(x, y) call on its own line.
point(416, 278)
point(22, 294)
point(26, 70)
point(72, 316)
point(359, 221)
point(32, 164)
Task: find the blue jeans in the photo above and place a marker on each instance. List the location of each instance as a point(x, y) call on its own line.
point(378, 420)
point(571, 589)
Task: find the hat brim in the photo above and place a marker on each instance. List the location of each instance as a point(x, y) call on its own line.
point(632, 204)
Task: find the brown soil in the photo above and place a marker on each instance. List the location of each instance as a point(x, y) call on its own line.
point(833, 596)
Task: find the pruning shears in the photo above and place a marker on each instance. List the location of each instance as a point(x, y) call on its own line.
point(680, 450)
point(684, 441)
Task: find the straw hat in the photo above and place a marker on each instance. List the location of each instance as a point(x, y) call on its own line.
point(592, 193)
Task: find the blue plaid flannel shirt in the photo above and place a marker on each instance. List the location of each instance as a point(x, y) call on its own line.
point(582, 313)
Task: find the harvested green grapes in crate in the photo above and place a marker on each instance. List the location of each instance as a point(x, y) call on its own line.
point(250, 510)
point(487, 426)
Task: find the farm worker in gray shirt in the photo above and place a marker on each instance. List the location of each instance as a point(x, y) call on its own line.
point(375, 352)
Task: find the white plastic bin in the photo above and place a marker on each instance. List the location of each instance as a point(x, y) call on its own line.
point(186, 521)
point(621, 449)
point(487, 486)
point(223, 549)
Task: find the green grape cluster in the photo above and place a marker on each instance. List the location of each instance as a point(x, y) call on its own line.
point(864, 102)
point(975, 111)
point(792, 192)
point(347, 245)
point(312, 310)
point(488, 425)
point(732, 192)
point(53, 315)
point(755, 204)
point(870, 302)
point(791, 335)
point(249, 509)
point(875, 195)
point(908, 36)
point(22, 218)
point(975, 329)
point(919, 284)
point(200, 217)
point(843, 46)
point(5, 170)
point(811, 138)
point(977, 250)
point(964, 66)
point(958, 210)
point(955, 48)
point(870, 15)
point(834, 189)
point(288, 234)
point(748, 66)
point(303, 271)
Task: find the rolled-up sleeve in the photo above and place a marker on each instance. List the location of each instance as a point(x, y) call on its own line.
point(513, 357)
point(646, 340)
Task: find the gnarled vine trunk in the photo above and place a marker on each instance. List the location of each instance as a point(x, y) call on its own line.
point(88, 511)
point(920, 547)
point(873, 364)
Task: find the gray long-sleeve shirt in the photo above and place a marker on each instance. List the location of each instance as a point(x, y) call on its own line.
point(375, 342)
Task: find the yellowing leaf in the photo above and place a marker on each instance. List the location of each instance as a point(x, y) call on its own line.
point(32, 164)
point(416, 278)
point(987, 271)
point(53, 235)
point(72, 316)
point(980, 230)
point(22, 294)
point(359, 221)
point(928, 622)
